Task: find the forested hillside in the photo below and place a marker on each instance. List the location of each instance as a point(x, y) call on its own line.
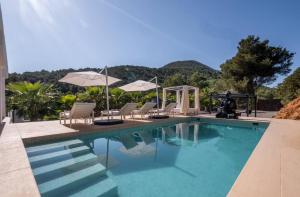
point(127, 73)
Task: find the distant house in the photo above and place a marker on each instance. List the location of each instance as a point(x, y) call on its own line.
point(3, 69)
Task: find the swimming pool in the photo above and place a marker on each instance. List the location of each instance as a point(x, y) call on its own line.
point(191, 157)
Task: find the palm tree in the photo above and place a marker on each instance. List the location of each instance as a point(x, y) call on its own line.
point(31, 100)
point(93, 94)
point(118, 98)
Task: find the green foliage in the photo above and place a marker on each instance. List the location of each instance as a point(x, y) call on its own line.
point(266, 93)
point(127, 73)
point(290, 88)
point(93, 94)
point(32, 100)
point(118, 98)
point(67, 101)
point(256, 63)
point(150, 96)
point(196, 79)
point(175, 80)
point(187, 68)
point(205, 97)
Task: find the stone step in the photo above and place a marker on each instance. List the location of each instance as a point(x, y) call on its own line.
point(48, 158)
point(47, 148)
point(80, 160)
point(71, 181)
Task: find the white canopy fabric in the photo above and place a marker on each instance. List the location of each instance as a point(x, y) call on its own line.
point(197, 100)
point(185, 101)
point(3, 69)
point(138, 85)
point(182, 98)
point(88, 78)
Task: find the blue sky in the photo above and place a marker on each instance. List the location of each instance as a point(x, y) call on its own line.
point(54, 34)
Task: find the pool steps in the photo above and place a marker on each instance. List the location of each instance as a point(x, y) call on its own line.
point(69, 170)
point(41, 149)
point(70, 180)
point(59, 153)
point(88, 158)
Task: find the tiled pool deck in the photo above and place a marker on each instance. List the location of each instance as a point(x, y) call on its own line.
point(272, 170)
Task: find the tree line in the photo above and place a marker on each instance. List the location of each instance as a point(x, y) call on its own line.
point(38, 95)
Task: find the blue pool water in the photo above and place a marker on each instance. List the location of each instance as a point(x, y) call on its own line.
point(188, 158)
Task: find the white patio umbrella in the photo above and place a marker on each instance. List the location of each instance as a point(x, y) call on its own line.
point(88, 78)
point(138, 85)
point(91, 78)
point(141, 86)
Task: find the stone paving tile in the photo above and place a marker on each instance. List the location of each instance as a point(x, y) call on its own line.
point(261, 174)
point(16, 178)
point(9, 143)
point(13, 159)
point(18, 183)
point(290, 172)
point(272, 169)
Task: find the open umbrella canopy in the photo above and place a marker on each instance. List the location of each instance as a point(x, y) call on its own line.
point(88, 78)
point(138, 85)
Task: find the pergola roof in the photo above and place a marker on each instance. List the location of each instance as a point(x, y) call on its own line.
point(233, 95)
point(175, 88)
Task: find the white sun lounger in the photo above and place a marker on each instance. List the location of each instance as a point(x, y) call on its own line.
point(169, 109)
point(125, 110)
point(79, 111)
point(144, 110)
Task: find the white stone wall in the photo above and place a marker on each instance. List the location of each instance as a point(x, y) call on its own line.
point(3, 69)
point(2, 94)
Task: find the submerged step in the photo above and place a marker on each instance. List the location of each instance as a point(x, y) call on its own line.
point(59, 155)
point(80, 160)
point(104, 188)
point(71, 181)
point(42, 149)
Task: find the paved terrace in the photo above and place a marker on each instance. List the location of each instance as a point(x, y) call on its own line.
point(272, 169)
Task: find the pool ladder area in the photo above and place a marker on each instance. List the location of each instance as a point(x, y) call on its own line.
point(69, 168)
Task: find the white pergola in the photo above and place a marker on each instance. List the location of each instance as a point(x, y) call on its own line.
point(182, 98)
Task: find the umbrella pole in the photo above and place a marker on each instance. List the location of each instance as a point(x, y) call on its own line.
point(107, 96)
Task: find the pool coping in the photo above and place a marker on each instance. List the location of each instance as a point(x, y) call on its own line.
point(269, 171)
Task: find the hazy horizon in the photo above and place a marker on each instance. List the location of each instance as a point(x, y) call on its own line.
point(52, 34)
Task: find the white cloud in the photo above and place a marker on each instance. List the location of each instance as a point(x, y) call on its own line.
point(40, 9)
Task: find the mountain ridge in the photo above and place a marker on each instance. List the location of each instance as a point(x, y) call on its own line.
point(127, 73)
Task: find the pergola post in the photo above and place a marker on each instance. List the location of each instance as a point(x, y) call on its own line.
point(182, 98)
point(185, 103)
point(164, 98)
point(197, 103)
point(178, 100)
